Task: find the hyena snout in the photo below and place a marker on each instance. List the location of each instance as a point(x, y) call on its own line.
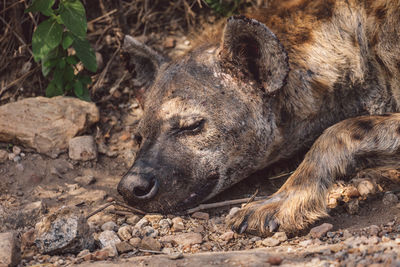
point(137, 186)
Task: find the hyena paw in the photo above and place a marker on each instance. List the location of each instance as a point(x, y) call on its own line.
point(257, 217)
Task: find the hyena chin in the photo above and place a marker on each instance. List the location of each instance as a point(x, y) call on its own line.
point(321, 75)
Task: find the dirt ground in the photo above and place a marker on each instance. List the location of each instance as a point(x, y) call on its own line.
point(365, 229)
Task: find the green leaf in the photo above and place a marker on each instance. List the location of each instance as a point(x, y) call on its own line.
point(85, 95)
point(68, 73)
point(46, 37)
point(85, 79)
point(67, 40)
point(48, 12)
point(40, 5)
point(52, 90)
point(49, 61)
point(72, 60)
point(61, 63)
point(74, 18)
point(85, 53)
point(78, 88)
point(58, 78)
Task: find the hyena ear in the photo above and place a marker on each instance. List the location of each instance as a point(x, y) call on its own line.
point(142, 61)
point(252, 47)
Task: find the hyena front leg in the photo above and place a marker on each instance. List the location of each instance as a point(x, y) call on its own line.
point(341, 150)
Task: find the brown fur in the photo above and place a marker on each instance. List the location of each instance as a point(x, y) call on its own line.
point(319, 73)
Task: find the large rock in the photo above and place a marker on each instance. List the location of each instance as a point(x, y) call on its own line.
point(46, 124)
point(65, 231)
point(10, 251)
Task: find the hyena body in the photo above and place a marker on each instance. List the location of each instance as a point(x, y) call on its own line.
point(305, 73)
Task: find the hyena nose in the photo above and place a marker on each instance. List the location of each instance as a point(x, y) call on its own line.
point(136, 187)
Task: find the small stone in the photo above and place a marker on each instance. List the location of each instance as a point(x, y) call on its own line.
point(199, 229)
point(99, 60)
point(123, 247)
point(281, 236)
point(108, 238)
point(105, 253)
point(153, 218)
point(111, 226)
point(373, 230)
point(353, 206)
point(321, 230)
point(133, 220)
point(135, 242)
point(142, 223)
point(346, 234)
point(64, 231)
point(125, 232)
point(149, 231)
point(3, 156)
point(17, 159)
point(28, 239)
point(270, 242)
point(149, 243)
point(169, 42)
point(184, 239)
point(389, 199)
point(330, 234)
point(10, 252)
point(85, 180)
point(82, 148)
point(227, 236)
point(16, 150)
point(175, 256)
point(275, 260)
point(201, 215)
point(165, 223)
point(11, 156)
point(83, 253)
point(366, 187)
point(177, 224)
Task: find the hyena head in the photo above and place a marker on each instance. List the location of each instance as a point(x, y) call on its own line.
point(209, 118)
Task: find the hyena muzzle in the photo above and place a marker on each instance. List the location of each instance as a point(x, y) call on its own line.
point(321, 75)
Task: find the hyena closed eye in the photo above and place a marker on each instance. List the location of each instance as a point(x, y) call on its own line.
point(303, 74)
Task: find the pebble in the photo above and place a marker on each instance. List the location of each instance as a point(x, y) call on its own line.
point(184, 239)
point(201, 215)
point(177, 224)
point(373, 230)
point(353, 206)
point(165, 223)
point(123, 247)
point(321, 230)
point(389, 199)
point(10, 253)
point(153, 218)
point(64, 231)
point(3, 156)
point(85, 180)
point(108, 238)
point(281, 236)
point(16, 150)
point(150, 243)
point(270, 242)
point(135, 241)
point(175, 256)
point(142, 223)
point(133, 220)
point(275, 260)
point(105, 253)
point(366, 187)
point(149, 231)
point(125, 232)
point(82, 148)
point(110, 225)
point(227, 236)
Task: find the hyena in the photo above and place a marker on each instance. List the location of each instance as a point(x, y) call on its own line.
point(316, 75)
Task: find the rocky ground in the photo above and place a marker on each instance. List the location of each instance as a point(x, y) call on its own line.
point(61, 208)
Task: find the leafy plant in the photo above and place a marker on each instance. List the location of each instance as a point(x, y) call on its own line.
point(224, 7)
point(65, 27)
